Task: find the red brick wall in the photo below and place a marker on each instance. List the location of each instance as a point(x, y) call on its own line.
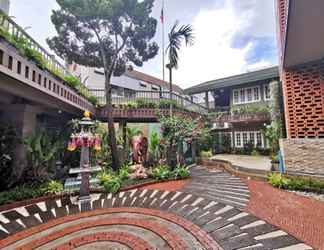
point(304, 100)
point(303, 89)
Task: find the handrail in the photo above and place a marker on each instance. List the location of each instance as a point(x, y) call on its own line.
point(14, 29)
point(153, 96)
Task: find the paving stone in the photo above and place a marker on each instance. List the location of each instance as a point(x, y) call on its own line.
point(60, 212)
point(217, 224)
point(46, 216)
point(13, 227)
point(12, 215)
point(3, 234)
point(245, 220)
point(66, 201)
point(226, 232)
point(279, 242)
point(74, 209)
point(97, 204)
point(205, 219)
point(237, 242)
point(260, 229)
point(33, 209)
point(107, 203)
point(30, 221)
point(229, 214)
point(50, 204)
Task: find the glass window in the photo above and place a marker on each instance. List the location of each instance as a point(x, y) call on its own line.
point(267, 95)
point(249, 95)
point(256, 94)
point(252, 138)
point(259, 139)
point(245, 138)
point(238, 140)
point(236, 96)
point(242, 96)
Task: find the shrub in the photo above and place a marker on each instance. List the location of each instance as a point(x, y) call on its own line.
point(123, 172)
point(113, 185)
point(20, 193)
point(181, 172)
point(165, 104)
point(53, 187)
point(161, 172)
point(36, 57)
point(104, 176)
point(144, 103)
point(278, 180)
point(206, 154)
point(72, 81)
point(255, 152)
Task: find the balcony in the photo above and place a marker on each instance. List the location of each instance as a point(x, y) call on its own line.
point(150, 100)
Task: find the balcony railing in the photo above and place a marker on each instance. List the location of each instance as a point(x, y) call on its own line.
point(151, 96)
point(13, 29)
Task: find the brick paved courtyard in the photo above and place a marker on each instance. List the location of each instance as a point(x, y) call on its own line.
point(211, 211)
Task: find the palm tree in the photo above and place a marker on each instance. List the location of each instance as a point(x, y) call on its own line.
point(176, 37)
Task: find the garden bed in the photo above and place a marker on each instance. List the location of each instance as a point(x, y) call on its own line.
point(127, 185)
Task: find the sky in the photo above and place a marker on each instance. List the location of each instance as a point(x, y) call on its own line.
point(231, 36)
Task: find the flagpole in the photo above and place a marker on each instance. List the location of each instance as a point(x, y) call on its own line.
point(163, 52)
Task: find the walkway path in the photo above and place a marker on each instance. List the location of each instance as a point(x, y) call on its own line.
point(262, 163)
point(218, 186)
point(144, 219)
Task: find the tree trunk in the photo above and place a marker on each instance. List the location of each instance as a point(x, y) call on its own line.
point(170, 89)
point(111, 127)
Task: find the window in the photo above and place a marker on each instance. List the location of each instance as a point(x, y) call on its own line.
point(242, 95)
point(142, 85)
point(238, 139)
point(267, 95)
point(236, 96)
point(19, 67)
point(10, 62)
point(249, 95)
point(27, 72)
point(252, 137)
point(155, 88)
point(99, 72)
point(246, 95)
point(244, 137)
point(256, 94)
point(259, 139)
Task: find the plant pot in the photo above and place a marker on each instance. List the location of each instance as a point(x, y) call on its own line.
point(274, 165)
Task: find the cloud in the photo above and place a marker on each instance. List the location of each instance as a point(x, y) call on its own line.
point(234, 38)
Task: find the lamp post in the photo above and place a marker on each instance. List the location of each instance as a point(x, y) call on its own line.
point(169, 66)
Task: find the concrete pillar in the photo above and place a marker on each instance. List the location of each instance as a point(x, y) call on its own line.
point(193, 151)
point(24, 118)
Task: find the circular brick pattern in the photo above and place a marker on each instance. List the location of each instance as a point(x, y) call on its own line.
point(125, 239)
point(186, 219)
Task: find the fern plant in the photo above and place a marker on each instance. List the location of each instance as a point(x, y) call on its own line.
point(42, 151)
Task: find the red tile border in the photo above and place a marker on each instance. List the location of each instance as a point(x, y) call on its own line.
point(300, 216)
point(129, 240)
point(200, 234)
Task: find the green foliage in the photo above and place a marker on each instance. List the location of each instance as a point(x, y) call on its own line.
point(8, 139)
point(161, 172)
point(53, 187)
point(113, 185)
point(297, 183)
point(104, 176)
point(123, 172)
point(154, 145)
point(166, 104)
point(42, 150)
point(20, 193)
point(250, 109)
point(278, 180)
point(26, 49)
point(255, 152)
point(181, 172)
point(206, 154)
point(273, 133)
point(176, 37)
point(145, 103)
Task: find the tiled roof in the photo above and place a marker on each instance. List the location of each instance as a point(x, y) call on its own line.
point(249, 77)
point(151, 79)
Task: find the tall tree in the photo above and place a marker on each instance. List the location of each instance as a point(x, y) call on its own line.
point(176, 37)
point(106, 34)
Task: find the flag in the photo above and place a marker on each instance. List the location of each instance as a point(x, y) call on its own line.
point(162, 15)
